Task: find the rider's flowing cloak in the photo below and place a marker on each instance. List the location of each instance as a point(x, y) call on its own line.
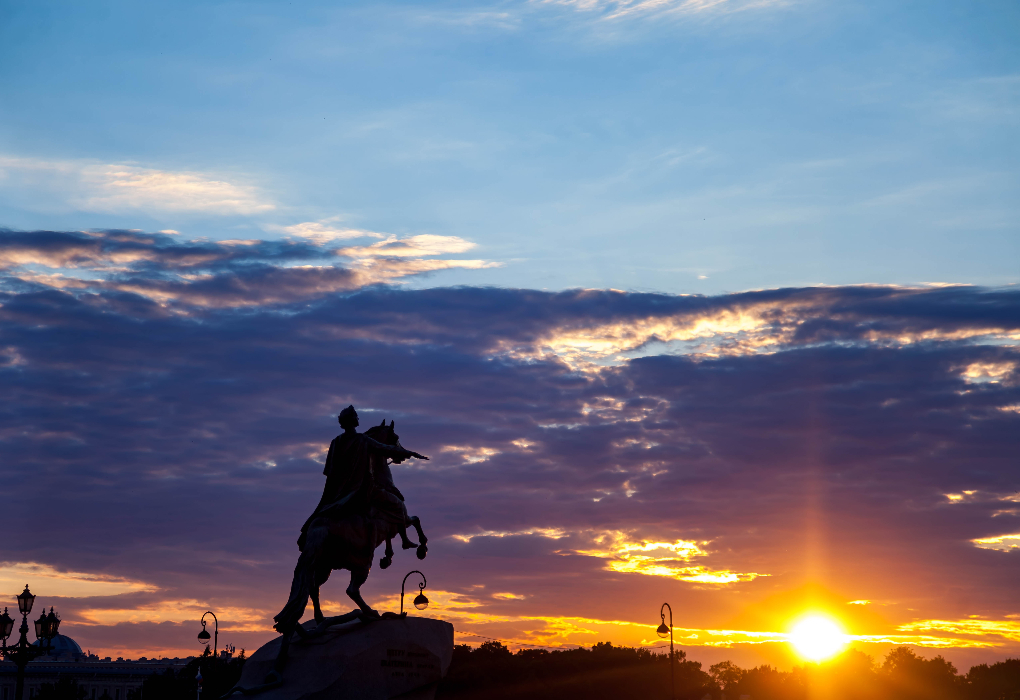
point(349, 483)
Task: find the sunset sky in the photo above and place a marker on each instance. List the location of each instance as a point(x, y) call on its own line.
point(711, 302)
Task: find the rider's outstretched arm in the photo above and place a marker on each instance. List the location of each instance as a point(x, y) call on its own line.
point(397, 452)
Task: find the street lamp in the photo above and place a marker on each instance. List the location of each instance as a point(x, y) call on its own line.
point(664, 631)
point(25, 601)
point(40, 625)
point(6, 626)
point(53, 624)
point(420, 601)
point(23, 652)
point(203, 636)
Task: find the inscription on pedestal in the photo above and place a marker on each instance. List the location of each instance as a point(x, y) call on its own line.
point(410, 667)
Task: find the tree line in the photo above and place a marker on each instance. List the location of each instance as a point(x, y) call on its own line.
point(605, 671)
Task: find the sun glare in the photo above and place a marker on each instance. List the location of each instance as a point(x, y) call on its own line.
point(817, 638)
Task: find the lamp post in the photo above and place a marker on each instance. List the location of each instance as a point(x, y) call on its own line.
point(203, 636)
point(420, 601)
point(23, 652)
point(662, 631)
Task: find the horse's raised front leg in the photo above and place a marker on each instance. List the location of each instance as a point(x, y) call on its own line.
point(422, 549)
point(387, 559)
point(406, 543)
point(358, 577)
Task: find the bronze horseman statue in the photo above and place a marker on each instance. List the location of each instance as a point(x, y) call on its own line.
point(359, 509)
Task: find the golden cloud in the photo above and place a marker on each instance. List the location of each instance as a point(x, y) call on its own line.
point(471, 454)
point(231, 618)
point(987, 372)
point(583, 346)
point(755, 328)
point(626, 554)
point(1005, 629)
point(670, 559)
point(1002, 543)
point(49, 581)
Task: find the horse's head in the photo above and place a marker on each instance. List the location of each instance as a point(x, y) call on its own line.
point(384, 433)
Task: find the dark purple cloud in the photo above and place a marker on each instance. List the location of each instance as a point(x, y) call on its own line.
point(807, 435)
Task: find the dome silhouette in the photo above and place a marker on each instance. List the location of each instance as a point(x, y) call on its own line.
point(63, 648)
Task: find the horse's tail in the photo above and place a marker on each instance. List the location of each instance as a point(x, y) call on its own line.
point(301, 587)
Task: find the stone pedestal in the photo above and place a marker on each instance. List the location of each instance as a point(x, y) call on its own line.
point(382, 659)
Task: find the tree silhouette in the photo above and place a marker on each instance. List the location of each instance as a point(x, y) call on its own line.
point(1000, 681)
point(218, 676)
point(912, 677)
point(493, 672)
point(604, 671)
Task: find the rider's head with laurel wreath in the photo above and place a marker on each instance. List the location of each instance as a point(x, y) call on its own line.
point(348, 418)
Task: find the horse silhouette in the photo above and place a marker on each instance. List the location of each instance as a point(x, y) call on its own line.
point(349, 543)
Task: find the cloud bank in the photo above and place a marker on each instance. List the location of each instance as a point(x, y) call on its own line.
point(166, 405)
point(183, 274)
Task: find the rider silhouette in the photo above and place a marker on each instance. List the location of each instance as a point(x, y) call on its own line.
point(350, 487)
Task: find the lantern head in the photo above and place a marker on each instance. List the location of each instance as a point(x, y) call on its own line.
point(52, 624)
point(6, 625)
point(40, 626)
point(25, 601)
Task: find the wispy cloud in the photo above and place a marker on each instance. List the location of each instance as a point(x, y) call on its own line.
point(413, 246)
point(324, 231)
point(118, 187)
point(616, 9)
point(49, 581)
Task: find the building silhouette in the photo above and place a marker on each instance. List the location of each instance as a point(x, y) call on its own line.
point(101, 678)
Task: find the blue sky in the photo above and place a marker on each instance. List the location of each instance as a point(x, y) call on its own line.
point(675, 146)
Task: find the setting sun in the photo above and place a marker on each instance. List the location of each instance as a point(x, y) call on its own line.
point(817, 637)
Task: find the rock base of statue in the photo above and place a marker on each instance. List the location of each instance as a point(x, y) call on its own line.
point(380, 659)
